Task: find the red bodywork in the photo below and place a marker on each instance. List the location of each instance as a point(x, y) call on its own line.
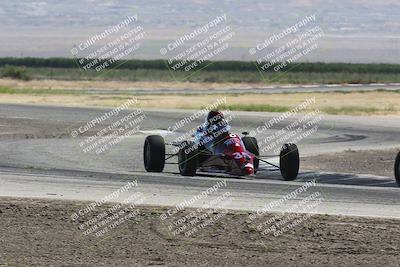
point(235, 151)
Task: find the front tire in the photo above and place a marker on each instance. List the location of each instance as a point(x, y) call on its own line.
point(289, 160)
point(187, 159)
point(397, 169)
point(154, 153)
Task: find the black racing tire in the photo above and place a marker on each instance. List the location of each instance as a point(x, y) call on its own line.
point(289, 162)
point(187, 159)
point(154, 153)
point(251, 145)
point(397, 169)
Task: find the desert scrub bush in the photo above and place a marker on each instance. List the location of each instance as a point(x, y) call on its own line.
point(18, 73)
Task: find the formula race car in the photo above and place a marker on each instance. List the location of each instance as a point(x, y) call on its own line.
point(397, 169)
point(239, 156)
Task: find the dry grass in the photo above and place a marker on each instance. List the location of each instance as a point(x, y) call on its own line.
point(121, 85)
point(369, 103)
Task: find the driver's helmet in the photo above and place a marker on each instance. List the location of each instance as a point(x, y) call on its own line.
point(215, 117)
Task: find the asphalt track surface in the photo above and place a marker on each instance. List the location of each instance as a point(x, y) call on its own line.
point(39, 158)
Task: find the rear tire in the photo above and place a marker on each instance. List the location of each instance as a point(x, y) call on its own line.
point(187, 159)
point(154, 153)
point(289, 162)
point(397, 169)
point(251, 145)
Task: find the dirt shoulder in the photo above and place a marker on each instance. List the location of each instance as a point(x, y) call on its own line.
point(41, 232)
point(376, 162)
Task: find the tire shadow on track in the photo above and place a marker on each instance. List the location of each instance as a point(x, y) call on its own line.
point(320, 177)
point(334, 178)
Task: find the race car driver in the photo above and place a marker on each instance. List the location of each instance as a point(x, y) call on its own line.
point(212, 132)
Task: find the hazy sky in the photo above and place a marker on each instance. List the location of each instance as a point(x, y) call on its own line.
point(355, 30)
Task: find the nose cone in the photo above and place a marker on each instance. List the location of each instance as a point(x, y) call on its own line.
point(248, 169)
